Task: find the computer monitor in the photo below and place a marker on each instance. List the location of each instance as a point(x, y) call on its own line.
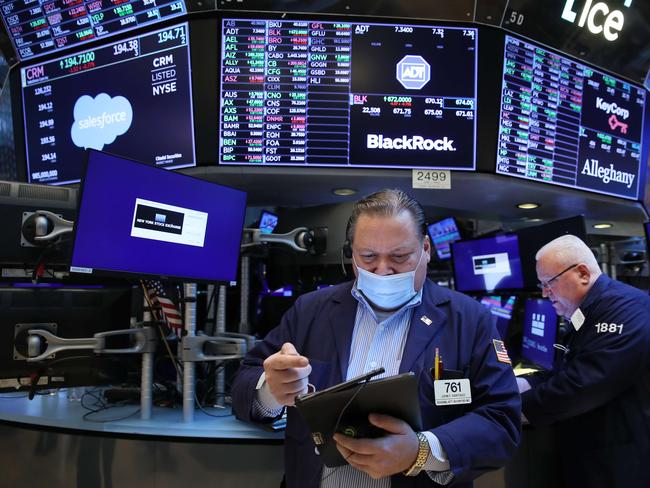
point(68, 312)
point(268, 222)
point(487, 264)
point(501, 308)
point(41, 28)
point(565, 123)
point(323, 91)
point(531, 239)
point(141, 221)
point(540, 328)
point(442, 234)
point(132, 97)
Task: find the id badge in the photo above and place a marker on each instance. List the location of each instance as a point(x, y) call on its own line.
point(452, 392)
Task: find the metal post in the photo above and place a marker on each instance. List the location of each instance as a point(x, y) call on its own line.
point(146, 386)
point(220, 381)
point(189, 367)
point(244, 289)
point(146, 380)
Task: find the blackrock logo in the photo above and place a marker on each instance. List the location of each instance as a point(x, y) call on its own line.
point(592, 167)
point(414, 143)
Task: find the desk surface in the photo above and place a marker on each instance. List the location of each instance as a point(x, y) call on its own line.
point(57, 411)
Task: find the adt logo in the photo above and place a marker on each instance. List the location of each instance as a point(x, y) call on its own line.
point(413, 72)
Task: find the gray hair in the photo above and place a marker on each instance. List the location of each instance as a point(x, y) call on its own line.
point(568, 250)
point(387, 203)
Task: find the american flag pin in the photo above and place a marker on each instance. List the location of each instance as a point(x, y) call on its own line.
point(426, 320)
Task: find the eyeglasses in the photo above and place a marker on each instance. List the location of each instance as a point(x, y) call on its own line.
point(547, 284)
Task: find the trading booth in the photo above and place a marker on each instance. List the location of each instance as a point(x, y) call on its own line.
point(179, 172)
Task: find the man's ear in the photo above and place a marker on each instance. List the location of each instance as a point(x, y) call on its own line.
point(584, 273)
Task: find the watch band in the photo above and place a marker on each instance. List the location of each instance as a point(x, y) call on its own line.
point(423, 454)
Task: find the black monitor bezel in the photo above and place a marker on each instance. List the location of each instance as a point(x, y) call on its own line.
point(99, 272)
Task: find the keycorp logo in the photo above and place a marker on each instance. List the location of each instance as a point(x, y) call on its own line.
point(413, 72)
point(415, 143)
point(612, 108)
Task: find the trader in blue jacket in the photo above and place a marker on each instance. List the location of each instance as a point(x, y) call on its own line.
point(390, 316)
point(598, 396)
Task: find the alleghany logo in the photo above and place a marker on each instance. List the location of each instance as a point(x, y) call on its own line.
point(592, 167)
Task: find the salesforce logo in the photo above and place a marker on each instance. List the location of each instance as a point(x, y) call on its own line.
point(98, 121)
point(415, 143)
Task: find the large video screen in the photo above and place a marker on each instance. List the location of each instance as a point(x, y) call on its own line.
point(567, 124)
point(136, 219)
point(540, 327)
point(132, 98)
point(487, 264)
point(337, 93)
point(38, 27)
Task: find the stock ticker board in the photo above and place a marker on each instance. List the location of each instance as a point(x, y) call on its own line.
point(326, 93)
point(566, 124)
point(132, 98)
point(38, 27)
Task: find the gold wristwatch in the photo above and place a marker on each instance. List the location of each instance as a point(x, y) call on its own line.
point(423, 454)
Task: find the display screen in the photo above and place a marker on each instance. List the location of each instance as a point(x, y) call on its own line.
point(612, 34)
point(566, 124)
point(38, 27)
point(442, 234)
point(540, 327)
point(490, 263)
point(268, 221)
point(501, 309)
point(145, 221)
point(132, 98)
point(328, 93)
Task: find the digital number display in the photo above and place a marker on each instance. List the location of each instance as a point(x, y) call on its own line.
point(132, 98)
point(315, 93)
point(567, 124)
point(38, 27)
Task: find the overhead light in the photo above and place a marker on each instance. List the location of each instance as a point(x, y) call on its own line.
point(528, 205)
point(535, 220)
point(344, 192)
point(603, 225)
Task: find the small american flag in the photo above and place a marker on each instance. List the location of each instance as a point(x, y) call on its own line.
point(500, 349)
point(167, 309)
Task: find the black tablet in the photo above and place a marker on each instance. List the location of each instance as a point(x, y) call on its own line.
point(345, 408)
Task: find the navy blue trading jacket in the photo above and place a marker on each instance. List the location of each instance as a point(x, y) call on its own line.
point(476, 437)
point(598, 396)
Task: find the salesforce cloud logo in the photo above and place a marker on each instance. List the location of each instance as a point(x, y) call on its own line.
point(98, 121)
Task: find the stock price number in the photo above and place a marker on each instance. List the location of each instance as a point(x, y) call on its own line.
point(172, 35)
point(127, 47)
point(76, 60)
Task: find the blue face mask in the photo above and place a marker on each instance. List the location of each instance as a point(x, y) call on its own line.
point(390, 291)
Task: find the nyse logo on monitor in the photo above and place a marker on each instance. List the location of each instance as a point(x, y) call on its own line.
point(169, 223)
point(537, 324)
point(413, 72)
